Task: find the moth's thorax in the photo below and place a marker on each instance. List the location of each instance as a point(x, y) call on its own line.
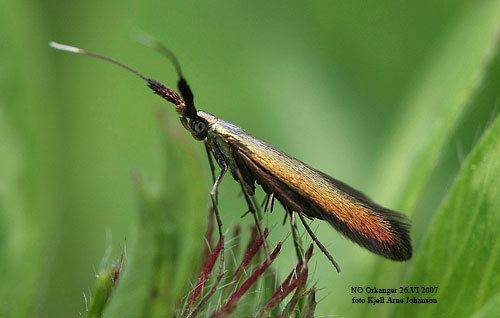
point(211, 119)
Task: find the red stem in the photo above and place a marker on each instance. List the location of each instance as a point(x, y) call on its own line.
point(289, 284)
point(250, 252)
point(230, 305)
point(202, 278)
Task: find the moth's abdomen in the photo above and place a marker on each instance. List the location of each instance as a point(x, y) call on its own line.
point(380, 230)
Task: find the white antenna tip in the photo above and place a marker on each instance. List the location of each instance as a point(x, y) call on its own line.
point(145, 39)
point(64, 47)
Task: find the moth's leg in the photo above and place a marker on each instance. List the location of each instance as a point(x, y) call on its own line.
point(265, 202)
point(258, 208)
point(210, 161)
point(315, 239)
point(268, 203)
point(252, 209)
point(297, 242)
point(285, 218)
point(213, 196)
point(208, 235)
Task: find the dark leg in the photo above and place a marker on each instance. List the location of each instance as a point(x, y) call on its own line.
point(297, 242)
point(210, 161)
point(253, 210)
point(258, 208)
point(269, 203)
point(211, 210)
point(315, 239)
point(213, 196)
point(285, 218)
point(265, 202)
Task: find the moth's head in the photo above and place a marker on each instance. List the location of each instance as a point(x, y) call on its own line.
point(199, 124)
point(196, 122)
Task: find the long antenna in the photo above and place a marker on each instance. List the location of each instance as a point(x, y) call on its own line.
point(73, 49)
point(157, 87)
point(186, 92)
point(151, 42)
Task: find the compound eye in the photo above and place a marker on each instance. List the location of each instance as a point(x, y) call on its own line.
point(200, 127)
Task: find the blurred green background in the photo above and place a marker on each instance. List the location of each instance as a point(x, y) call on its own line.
point(387, 96)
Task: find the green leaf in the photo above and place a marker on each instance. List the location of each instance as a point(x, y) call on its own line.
point(460, 255)
point(491, 309)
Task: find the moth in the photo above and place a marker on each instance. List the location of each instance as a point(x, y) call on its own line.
point(301, 189)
